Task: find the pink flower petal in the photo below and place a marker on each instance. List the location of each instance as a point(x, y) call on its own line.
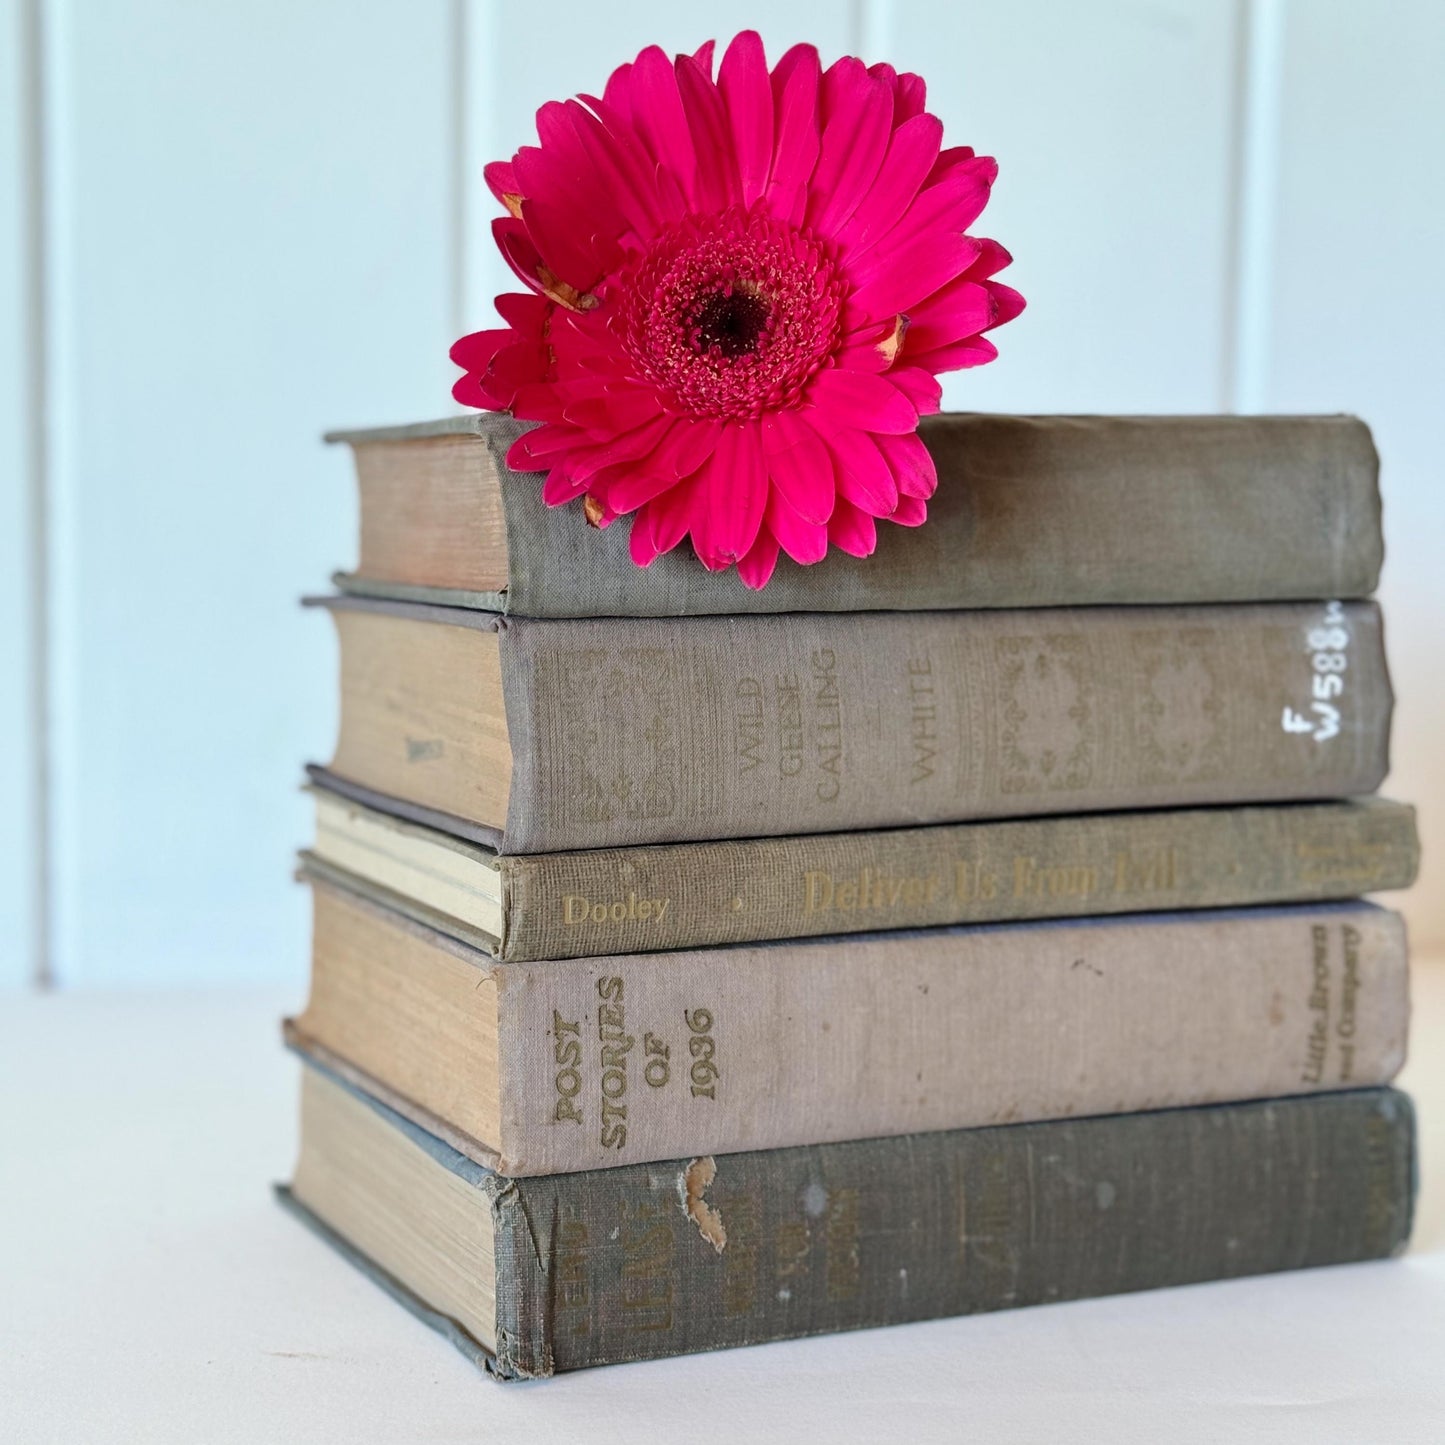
point(617, 94)
point(535, 450)
point(687, 445)
point(717, 171)
point(1006, 301)
point(910, 512)
point(891, 280)
point(991, 259)
point(639, 540)
point(911, 152)
point(659, 114)
point(671, 512)
point(678, 453)
point(868, 349)
point(921, 389)
point(858, 399)
point(622, 168)
point(956, 199)
point(756, 567)
point(864, 476)
point(796, 79)
point(632, 446)
point(580, 256)
point(852, 531)
point(637, 487)
point(561, 486)
point(525, 312)
point(975, 351)
point(800, 465)
point(518, 250)
point(616, 409)
point(803, 540)
point(950, 157)
point(562, 170)
point(501, 179)
point(961, 308)
point(627, 203)
point(910, 95)
point(912, 464)
point(467, 391)
point(858, 111)
point(477, 349)
point(733, 490)
point(511, 369)
point(748, 96)
point(538, 402)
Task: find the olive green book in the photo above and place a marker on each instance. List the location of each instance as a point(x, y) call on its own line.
point(533, 1277)
point(439, 870)
point(1030, 511)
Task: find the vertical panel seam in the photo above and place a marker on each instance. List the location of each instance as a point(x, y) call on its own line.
point(36, 453)
point(457, 118)
point(872, 29)
point(1259, 58)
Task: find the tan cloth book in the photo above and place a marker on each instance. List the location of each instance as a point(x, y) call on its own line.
point(562, 1065)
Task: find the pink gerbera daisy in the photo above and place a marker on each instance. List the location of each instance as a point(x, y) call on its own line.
point(740, 293)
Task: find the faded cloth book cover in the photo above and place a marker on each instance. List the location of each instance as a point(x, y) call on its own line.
point(1030, 511)
point(533, 1277)
point(563, 1065)
point(594, 733)
point(603, 901)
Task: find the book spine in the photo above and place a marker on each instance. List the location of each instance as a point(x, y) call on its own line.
point(639, 1263)
point(650, 1056)
point(692, 895)
point(643, 731)
point(1031, 512)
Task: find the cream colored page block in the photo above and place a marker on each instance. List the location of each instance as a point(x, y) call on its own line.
point(423, 865)
point(421, 1223)
point(421, 713)
point(412, 1013)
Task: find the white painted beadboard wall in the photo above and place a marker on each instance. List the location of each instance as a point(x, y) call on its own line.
point(224, 228)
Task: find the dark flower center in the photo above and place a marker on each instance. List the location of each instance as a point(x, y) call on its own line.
point(730, 315)
point(731, 321)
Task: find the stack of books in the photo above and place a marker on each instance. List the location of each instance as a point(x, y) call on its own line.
point(972, 926)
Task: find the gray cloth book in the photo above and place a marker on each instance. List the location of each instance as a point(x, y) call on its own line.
point(1031, 511)
point(537, 1276)
point(609, 732)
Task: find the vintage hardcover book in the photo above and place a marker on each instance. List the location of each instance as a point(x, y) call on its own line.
point(533, 1277)
point(691, 895)
point(570, 1064)
point(595, 733)
point(1041, 511)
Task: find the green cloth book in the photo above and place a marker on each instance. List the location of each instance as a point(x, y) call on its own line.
point(534, 1277)
point(1030, 511)
point(438, 870)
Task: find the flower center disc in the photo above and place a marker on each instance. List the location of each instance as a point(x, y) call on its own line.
point(732, 321)
point(729, 315)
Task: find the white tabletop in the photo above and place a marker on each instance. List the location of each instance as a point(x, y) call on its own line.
point(151, 1291)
